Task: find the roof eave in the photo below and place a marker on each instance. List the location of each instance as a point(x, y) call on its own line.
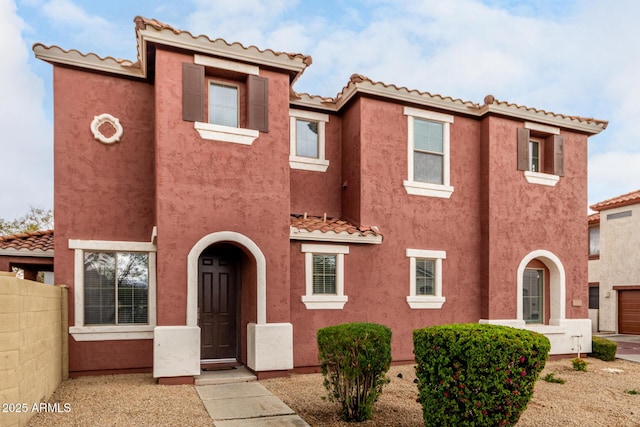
point(343, 237)
point(204, 45)
point(74, 58)
point(522, 113)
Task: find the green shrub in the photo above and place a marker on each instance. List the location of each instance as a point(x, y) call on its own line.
point(354, 358)
point(603, 349)
point(476, 374)
point(633, 391)
point(550, 378)
point(579, 364)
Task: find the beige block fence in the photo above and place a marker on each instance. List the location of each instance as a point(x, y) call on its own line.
point(33, 346)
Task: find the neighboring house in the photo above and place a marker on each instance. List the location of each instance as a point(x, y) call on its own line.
point(614, 264)
point(31, 252)
point(206, 212)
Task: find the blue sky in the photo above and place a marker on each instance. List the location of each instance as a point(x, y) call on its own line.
point(575, 57)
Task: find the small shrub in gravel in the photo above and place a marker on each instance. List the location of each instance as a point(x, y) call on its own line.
point(550, 378)
point(579, 364)
point(604, 349)
point(477, 374)
point(354, 359)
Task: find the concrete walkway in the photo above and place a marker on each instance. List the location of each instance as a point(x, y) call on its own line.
point(234, 398)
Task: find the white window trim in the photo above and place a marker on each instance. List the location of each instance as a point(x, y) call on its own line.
point(541, 178)
point(307, 163)
point(324, 302)
point(416, 188)
point(425, 301)
point(110, 332)
point(226, 133)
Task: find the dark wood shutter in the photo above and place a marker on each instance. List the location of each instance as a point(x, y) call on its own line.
point(192, 92)
point(523, 149)
point(558, 155)
point(258, 103)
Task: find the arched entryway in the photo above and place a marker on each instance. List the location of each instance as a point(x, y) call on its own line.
point(217, 267)
point(556, 284)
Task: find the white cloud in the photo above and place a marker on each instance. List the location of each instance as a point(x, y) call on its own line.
point(26, 173)
point(612, 174)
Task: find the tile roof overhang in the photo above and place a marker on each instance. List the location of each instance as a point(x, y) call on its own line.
point(361, 85)
point(594, 219)
point(326, 229)
point(617, 202)
point(151, 31)
point(31, 244)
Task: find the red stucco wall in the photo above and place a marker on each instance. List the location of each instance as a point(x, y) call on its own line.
point(326, 187)
point(210, 186)
point(102, 192)
point(523, 217)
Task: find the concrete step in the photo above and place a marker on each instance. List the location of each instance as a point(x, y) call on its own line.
point(225, 376)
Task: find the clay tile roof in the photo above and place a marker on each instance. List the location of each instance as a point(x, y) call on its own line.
point(41, 240)
point(142, 22)
point(332, 226)
point(491, 100)
point(594, 218)
point(615, 202)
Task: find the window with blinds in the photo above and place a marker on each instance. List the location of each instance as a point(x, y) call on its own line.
point(223, 105)
point(324, 274)
point(425, 277)
point(116, 288)
point(428, 156)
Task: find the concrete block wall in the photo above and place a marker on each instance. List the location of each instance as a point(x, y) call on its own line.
point(33, 346)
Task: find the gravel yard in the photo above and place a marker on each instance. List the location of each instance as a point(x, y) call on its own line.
point(593, 398)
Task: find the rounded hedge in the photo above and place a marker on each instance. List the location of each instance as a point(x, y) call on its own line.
point(477, 374)
point(354, 358)
point(603, 348)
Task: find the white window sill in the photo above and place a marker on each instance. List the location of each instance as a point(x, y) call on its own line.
point(107, 333)
point(308, 164)
point(226, 133)
point(541, 178)
point(324, 302)
point(428, 190)
point(425, 302)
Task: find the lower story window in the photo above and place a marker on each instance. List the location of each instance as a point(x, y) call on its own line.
point(425, 278)
point(116, 288)
point(324, 276)
point(532, 295)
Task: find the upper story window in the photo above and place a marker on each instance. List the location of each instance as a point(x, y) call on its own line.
point(237, 112)
point(428, 159)
point(594, 242)
point(223, 104)
point(541, 153)
point(307, 140)
point(425, 278)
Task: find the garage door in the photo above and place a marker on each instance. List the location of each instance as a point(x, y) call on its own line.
point(629, 312)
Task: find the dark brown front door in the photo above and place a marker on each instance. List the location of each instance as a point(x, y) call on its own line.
point(217, 305)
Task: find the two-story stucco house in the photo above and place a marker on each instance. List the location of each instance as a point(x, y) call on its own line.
point(614, 264)
point(208, 213)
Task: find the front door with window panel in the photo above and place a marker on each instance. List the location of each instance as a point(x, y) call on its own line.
point(532, 295)
point(218, 292)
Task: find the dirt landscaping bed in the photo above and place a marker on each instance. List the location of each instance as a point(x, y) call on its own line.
point(592, 398)
point(597, 397)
